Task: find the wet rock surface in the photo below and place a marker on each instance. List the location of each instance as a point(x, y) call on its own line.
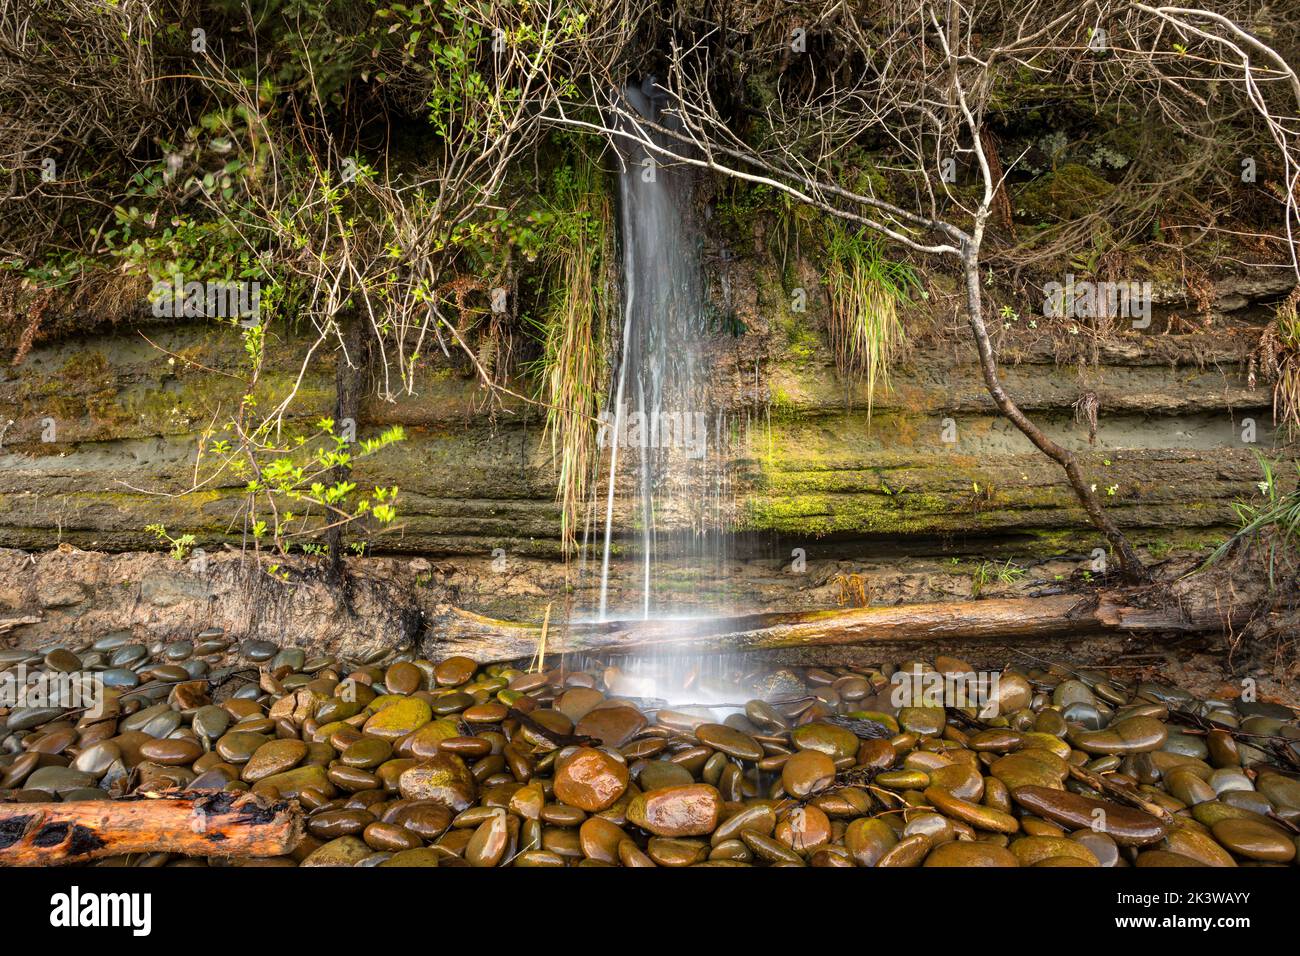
point(400, 761)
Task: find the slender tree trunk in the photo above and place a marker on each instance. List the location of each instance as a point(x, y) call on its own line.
point(1130, 564)
point(350, 376)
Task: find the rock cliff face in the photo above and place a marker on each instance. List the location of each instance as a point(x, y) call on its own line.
point(70, 595)
point(104, 429)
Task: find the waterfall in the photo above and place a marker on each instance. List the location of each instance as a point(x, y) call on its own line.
point(660, 437)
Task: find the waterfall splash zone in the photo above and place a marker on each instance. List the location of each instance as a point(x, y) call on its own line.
point(677, 677)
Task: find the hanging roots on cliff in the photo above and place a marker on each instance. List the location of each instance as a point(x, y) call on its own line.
point(30, 312)
point(1085, 410)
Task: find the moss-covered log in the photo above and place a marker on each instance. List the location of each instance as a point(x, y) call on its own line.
point(1117, 612)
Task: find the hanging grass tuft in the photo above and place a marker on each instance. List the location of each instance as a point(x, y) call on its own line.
point(866, 289)
point(578, 248)
point(1286, 390)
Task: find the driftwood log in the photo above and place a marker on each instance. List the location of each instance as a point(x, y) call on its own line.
point(1114, 612)
point(194, 824)
point(7, 624)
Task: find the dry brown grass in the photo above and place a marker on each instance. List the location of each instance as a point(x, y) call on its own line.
point(1276, 359)
point(30, 314)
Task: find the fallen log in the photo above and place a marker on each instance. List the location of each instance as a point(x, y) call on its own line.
point(1114, 612)
point(7, 624)
point(195, 824)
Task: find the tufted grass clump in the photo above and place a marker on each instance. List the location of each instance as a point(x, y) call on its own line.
point(577, 224)
point(1273, 522)
point(866, 290)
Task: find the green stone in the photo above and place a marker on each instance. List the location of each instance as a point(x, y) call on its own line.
point(925, 721)
point(399, 718)
point(836, 742)
point(292, 783)
point(345, 851)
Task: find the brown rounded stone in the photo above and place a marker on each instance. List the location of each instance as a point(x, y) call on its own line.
point(539, 858)
point(235, 747)
point(804, 829)
point(959, 779)
point(171, 751)
point(770, 849)
point(291, 783)
point(390, 836)
point(345, 851)
point(1163, 859)
point(907, 852)
point(55, 742)
point(442, 777)
point(690, 810)
point(487, 846)
point(273, 757)
point(403, 678)
point(629, 855)
point(366, 753)
point(806, 773)
point(490, 713)
point(466, 746)
point(333, 824)
point(834, 741)
point(398, 717)
point(729, 741)
point(1255, 840)
point(590, 779)
point(978, 816)
point(666, 851)
point(600, 839)
point(578, 702)
point(1031, 849)
point(970, 853)
point(454, 671)
point(612, 726)
point(427, 819)
point(1040, 768)
point(561, 815)
point(876, 754)
point(1127, 826)
point(427, 740)
point(352, 779)
point(1136, 734)
point(1196, 843)
point(1105, 849)
point(903, 779)
point(760, 818)
point(421, 856)
point(868, 839)
point(997, 740)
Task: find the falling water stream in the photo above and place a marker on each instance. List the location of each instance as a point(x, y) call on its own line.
point(662, 438)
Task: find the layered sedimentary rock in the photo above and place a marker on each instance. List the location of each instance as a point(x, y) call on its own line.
point(105, 428)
